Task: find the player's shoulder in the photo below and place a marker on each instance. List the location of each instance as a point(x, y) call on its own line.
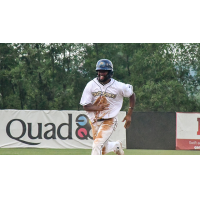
point(92, 83)
point(122, 86)
point(122, 83)
point(118, 83)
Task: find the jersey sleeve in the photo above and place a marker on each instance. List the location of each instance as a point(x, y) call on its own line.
point(127, 90)
point(87, 95)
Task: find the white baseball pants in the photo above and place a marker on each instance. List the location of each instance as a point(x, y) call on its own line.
point(102, 130)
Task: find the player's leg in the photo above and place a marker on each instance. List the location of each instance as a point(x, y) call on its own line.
point(104, 132)
point(113, 147)
point(95, 126)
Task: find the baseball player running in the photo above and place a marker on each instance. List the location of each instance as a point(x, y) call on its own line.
point(102, 100)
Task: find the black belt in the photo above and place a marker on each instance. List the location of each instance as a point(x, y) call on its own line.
point(101, 119)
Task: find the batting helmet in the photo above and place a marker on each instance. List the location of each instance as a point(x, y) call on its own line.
point(105, 64)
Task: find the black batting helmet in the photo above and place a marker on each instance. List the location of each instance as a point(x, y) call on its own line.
point(104, 64)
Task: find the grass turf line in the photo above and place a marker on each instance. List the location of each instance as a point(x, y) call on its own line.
point(37, 151)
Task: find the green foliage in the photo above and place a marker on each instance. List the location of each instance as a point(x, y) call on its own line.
point(165, 77)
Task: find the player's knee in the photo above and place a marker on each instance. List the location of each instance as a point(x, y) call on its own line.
point(97, 144)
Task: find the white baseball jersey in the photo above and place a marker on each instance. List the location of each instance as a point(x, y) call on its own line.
point(114, 91)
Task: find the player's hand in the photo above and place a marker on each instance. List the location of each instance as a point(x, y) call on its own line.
point(127, 120)
point(103, 107)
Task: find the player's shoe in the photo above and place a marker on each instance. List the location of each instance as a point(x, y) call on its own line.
point(119, 150)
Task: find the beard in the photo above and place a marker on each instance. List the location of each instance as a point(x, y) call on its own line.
point(102, 78)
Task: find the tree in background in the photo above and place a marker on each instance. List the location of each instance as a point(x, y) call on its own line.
point(165, 77)
point(8, 88)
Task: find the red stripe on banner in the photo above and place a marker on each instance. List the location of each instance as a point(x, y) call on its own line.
point(187, 144)
point(176, 125)
point(198, 132)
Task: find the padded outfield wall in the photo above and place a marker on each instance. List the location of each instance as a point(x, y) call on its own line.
point(152, 130)
point(71, 129)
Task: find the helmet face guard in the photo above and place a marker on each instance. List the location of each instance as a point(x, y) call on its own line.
point(105, 64)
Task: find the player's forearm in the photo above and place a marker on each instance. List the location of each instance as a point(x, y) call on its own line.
point(91, 107)
point(132, 100)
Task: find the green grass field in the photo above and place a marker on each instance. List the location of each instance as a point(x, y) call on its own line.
point(34, 151)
